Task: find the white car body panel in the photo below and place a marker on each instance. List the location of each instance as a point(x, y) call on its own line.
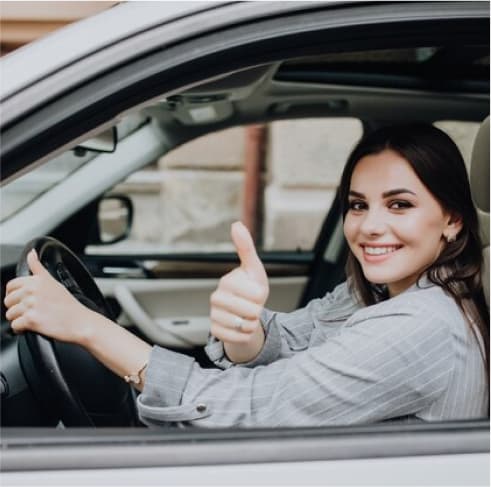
point(424, 470)
point(82, 38)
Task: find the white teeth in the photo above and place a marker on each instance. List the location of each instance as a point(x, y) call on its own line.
point(379, 250)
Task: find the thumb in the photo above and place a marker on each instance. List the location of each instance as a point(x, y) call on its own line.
point(34, 265)
point(246, 250)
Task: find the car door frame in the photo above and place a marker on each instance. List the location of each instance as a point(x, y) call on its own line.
point(448, 453)
point(32, 135)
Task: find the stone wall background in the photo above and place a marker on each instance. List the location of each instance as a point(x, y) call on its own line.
point(197, 191)
point(188, 200)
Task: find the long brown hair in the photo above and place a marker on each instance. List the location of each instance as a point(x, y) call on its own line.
point(438, 163)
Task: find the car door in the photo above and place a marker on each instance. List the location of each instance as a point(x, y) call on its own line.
point(237, 36)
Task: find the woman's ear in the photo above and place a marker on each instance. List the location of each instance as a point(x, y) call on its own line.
point(453, 227)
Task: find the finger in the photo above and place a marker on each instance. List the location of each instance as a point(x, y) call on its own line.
point(15, 312)
point(16, 283)
point(236, 305)
point(35, 265)
point(18, 325)
point(14, 297)
point(229, 320)
point(246, 250)
point(227, 335)
point(238, 283)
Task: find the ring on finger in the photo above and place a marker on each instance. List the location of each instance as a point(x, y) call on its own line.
point(238, 322)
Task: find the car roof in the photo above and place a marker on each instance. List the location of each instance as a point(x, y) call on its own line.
point(77, 40)
point(299, 83)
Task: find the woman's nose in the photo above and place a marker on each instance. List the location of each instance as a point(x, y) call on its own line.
point(373, 223)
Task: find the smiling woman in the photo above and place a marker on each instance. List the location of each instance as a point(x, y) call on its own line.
point(437, 203)
point(395, 234)
point(413, 234)
point(410, 325)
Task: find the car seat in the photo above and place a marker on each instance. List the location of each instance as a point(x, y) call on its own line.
point(479, 179)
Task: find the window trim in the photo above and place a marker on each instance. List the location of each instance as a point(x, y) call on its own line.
point(83, 448)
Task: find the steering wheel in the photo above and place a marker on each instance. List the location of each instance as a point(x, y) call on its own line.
point(69, 383)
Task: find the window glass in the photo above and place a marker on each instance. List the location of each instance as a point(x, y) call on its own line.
point(306, 158)
point(395, 67)
point(279, 178)
point(384, 59)
point(35, 183)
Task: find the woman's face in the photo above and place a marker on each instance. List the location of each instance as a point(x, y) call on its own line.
point(394, 226)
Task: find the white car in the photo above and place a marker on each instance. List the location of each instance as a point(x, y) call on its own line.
point(87, 112)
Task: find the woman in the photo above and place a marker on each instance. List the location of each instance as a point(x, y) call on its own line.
point(406, 336)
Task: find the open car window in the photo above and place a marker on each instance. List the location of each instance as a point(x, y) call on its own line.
point(280, 178)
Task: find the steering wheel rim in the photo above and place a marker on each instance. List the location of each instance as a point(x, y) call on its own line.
point(66, 379)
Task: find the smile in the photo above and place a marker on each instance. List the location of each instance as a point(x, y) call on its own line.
point(380, 250)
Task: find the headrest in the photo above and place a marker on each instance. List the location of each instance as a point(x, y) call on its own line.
point(479, 173)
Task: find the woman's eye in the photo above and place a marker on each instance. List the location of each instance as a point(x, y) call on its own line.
point(400, 205)
point(357, 205)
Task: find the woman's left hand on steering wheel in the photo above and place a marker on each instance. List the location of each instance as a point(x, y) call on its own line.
point(41, 304)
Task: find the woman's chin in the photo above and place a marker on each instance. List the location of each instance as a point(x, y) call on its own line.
point(380, 277)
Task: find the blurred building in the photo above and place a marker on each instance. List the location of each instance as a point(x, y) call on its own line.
point(23, 22)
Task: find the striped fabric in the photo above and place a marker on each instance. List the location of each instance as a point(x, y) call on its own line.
point(330, 363)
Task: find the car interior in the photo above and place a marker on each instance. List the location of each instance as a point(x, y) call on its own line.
point(479, 178)
point(151, 291)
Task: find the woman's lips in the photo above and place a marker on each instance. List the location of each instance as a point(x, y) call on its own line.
point(379, 253)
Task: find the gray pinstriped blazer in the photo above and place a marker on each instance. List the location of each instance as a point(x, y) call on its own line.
point(332, 362)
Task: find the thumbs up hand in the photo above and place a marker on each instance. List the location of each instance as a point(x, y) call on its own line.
point(236, 304)
point(249, 260)
point(41, 304)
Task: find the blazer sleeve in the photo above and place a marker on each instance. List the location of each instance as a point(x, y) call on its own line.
point(290, 333)
point(385, 363)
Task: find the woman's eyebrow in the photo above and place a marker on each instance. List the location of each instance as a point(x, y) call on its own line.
point(393, 192)
point(355, 193)
point(387, 194)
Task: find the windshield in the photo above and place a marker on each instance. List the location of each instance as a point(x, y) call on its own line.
point(34, 183)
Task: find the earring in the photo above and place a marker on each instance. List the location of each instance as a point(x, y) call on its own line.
point(450, 238)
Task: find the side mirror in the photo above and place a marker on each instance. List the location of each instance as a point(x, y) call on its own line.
point(114, 219)
point(104, 142)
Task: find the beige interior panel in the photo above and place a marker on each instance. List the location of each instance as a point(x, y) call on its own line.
point(175, 312)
